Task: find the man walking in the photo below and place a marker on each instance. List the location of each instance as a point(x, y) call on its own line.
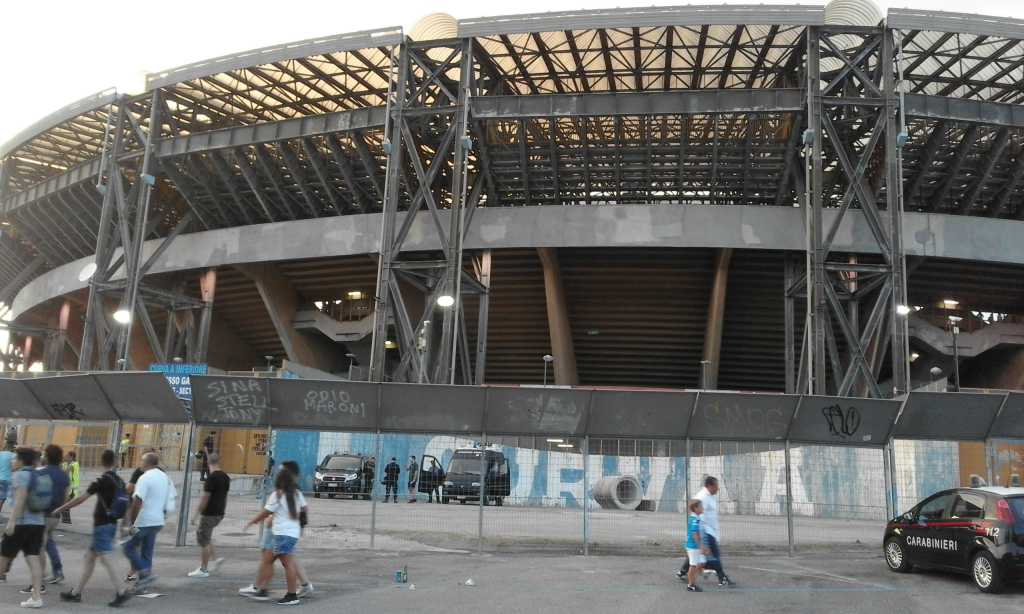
point(208, 515)
point(6, 456)
point(54, 456)
point(390, 481)
point(24, 532)
point(154, 495)
point(414, 476)
point(103, 532)
point(709, 518)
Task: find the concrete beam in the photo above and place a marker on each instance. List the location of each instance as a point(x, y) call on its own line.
point(663, 226)
point(716, 320)
point(558, 320)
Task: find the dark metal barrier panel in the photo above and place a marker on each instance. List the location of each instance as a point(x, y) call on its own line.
point(328, 405)
point(656, 414)
point(1010, 421)
point(142, 397)
point(843, 421)
point(238, 402)
point(74, 397)
point(941, 415)
point(738, 416)
point(537, 411)
point(432, 409)
point(19, 403)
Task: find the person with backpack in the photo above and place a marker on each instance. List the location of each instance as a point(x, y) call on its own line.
point(153, 497)
point(24, 532)
point(391, 472)
point(6, 456)
point(111, 505)
point(54, 455)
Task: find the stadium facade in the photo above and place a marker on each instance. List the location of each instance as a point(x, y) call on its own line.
point(767, 198)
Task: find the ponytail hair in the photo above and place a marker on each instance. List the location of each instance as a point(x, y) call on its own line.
point(285, 485)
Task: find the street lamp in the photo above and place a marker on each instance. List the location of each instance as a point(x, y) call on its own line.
point(547, 358)
point(421, 346)
point(351, 360)
point(954, 328)
point(935, 371)
point(269, 358)
point(704, 374)
point(122, 316)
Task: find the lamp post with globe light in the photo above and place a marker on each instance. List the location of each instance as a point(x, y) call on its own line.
point(547, 359)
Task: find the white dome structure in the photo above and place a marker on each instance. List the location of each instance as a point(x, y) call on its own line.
point(852, 13)
point(436, 26)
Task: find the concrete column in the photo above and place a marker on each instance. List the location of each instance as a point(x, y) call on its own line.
point(558, 320)
point(716, 320)
point(207, 288)
point(53, 351)
point(281, 303)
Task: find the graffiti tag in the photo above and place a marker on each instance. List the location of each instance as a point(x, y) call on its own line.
point(67, 411)
point(841, 423)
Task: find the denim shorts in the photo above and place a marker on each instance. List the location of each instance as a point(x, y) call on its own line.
point(5, 489)
point(284, 544)
point(103, 539)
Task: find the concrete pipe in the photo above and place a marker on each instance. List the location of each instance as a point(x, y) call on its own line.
point(618, 492)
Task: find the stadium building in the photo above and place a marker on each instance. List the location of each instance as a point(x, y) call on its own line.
point(817, 199)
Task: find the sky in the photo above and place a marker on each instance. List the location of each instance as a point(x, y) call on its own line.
point(55, 53)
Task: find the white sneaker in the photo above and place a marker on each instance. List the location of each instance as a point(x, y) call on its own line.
point(215, 564)
point(249, 590)
point(198, 573)
point(305, 590)
point(32, 603)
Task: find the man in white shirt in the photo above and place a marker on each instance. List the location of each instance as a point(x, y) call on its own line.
point(153, 496)
point(711, 533)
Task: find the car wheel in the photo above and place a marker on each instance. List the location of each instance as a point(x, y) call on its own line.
point(462, 501)
point(499, 501)
point(985, 574)
point(445, 500)
point(330, 495)
point(896, 556)
point(316, 495)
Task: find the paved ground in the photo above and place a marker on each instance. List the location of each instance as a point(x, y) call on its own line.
point(856, 582)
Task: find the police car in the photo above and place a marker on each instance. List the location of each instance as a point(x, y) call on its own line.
point(975, 530)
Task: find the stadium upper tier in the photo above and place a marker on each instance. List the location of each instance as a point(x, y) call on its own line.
point(662, 106)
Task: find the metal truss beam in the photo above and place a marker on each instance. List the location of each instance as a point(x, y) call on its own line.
point(637, 103)
point(852, 124)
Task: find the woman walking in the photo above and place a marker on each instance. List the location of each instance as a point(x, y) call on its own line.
point(285, 503)
point(70, 465)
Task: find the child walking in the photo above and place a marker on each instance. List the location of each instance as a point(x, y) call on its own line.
point(695, 548)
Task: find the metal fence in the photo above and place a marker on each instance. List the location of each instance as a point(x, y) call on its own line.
point(572, 470)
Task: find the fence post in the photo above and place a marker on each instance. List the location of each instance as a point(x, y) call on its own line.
point(890, 509)
point(686, 472)
point(373, 499)
point(186, 489)
point(991, 452)
point(789, 499)
point(586, 501)
point(893, 477)
point(483, 494)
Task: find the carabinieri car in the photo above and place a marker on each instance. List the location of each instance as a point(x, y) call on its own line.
point(979, 531)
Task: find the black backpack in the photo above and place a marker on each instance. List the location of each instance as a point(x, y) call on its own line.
point(120, 502)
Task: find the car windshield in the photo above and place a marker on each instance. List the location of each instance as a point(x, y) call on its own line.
point(342, 463)
point(465, 465)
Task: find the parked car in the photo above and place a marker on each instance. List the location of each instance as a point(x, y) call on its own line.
point(979, 531)
point(465, 468)
point(340, 474)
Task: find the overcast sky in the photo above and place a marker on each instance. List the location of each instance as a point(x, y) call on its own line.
point(54, 53)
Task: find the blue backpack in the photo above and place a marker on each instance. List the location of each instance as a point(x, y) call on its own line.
point(40, 491)
point(119, 503)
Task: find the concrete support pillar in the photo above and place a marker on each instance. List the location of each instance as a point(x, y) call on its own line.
point(558, 320)
point(281, 302)
point(53, 351)
point(207, 288)
point(716, 320)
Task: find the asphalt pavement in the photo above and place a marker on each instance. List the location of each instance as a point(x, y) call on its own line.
point(855, 581)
